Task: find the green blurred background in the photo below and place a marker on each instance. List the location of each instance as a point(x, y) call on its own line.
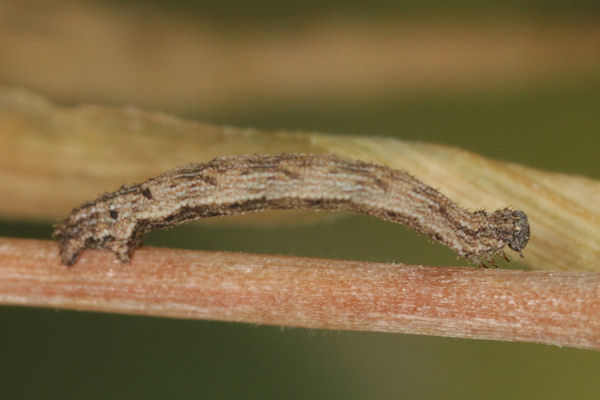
point(549, 120)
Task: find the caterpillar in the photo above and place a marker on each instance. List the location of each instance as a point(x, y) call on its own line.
point(248, 183)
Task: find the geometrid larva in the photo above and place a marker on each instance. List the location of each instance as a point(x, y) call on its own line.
point(239, 184)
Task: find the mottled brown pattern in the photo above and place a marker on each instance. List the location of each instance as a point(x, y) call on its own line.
point(246, 183)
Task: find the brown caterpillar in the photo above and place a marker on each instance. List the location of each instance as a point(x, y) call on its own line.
point(239, 184)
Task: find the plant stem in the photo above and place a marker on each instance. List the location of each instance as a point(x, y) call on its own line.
point(525, 306)
point(53, 158)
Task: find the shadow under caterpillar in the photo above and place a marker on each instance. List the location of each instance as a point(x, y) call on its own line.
point(240, 184)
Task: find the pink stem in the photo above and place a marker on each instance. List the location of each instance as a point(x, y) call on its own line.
point(526, 306)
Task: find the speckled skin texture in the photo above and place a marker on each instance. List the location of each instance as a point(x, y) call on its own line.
point(239, 184)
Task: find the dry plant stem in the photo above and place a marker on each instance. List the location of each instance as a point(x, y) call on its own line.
point(196, 69)
point(527, 306)
point(54, 157)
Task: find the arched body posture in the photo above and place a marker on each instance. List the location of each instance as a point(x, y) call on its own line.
point(240, 184)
